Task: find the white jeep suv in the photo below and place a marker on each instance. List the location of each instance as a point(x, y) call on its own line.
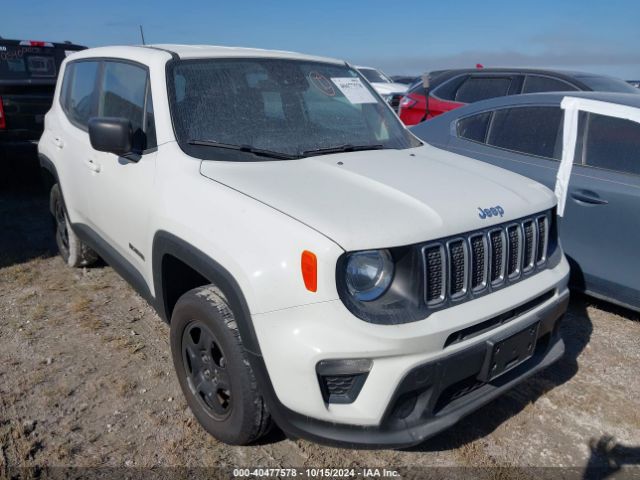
point(318, 265)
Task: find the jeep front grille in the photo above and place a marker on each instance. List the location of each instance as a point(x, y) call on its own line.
point(474, 263)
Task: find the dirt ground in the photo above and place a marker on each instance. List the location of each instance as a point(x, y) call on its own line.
point(86, 380)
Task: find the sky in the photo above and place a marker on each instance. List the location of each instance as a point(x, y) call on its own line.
point(401, 37)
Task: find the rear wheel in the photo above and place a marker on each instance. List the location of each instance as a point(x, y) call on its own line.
point(213, 369)
point(73, 251)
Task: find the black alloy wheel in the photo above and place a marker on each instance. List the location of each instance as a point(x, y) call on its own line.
point(206, 368)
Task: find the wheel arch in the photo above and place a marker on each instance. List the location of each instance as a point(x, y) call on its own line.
point(48, 173)
point(174, 257)
point(167, 244)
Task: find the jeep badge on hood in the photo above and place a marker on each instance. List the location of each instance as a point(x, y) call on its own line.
point(491, 212)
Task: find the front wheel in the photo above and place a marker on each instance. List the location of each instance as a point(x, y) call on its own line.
point(73, 251)
point(213, 369)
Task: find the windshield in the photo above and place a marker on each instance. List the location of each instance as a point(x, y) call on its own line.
point(374, 76)
point(608, 84)
point(290, 107)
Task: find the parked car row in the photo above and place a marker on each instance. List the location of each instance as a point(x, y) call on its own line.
point(450, 89)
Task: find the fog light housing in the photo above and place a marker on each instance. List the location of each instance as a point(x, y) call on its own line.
point(342, 380)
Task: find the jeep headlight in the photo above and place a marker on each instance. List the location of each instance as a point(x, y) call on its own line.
point(368, 274)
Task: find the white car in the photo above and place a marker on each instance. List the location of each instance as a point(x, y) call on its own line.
point(391, 91)
point(318, 264)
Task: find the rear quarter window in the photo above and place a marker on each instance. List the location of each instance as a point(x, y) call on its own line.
point(608, 84)
point(475, 127)
point(538, 83)
point(613, 144)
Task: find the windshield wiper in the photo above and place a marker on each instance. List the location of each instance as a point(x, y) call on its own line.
point(341, 148)
point(244, 148)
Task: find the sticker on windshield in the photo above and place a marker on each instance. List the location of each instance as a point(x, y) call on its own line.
point(354, 90)
point(322, 83)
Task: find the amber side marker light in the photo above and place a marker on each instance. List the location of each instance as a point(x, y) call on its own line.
point(309, 266)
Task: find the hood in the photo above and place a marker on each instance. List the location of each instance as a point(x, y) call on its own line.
point(385, 198)
point(389, 88)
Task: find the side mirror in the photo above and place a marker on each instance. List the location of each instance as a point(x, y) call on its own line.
point(111, 134)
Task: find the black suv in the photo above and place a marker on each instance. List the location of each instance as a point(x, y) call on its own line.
point(28, 72)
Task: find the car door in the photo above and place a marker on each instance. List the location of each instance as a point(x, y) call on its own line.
point(71, 140)
point(603, 208)
point(122, 187)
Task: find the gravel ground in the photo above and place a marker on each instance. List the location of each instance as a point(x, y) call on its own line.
point(86, 381)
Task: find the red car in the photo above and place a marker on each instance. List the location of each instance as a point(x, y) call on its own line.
point(450, 89)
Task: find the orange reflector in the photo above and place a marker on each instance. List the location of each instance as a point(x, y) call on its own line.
point(309, 266)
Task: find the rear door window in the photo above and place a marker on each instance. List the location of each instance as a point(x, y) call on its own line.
point(475, 89)
point(530, 130)
point(539, 83)
point(613, 144)
point(80, 90)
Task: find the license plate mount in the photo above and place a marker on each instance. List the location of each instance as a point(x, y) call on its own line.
point(506, 354)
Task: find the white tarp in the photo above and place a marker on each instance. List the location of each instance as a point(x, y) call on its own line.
point(572, 106)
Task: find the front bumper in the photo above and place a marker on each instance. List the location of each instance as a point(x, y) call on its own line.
point(435, 395)
point(416, 387)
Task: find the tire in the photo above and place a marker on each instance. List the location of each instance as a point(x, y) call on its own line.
point(73, 251)
point(213, 369)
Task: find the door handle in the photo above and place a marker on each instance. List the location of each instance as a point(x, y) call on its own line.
point(93, 166)
point(57, 141)
point(588, 196)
